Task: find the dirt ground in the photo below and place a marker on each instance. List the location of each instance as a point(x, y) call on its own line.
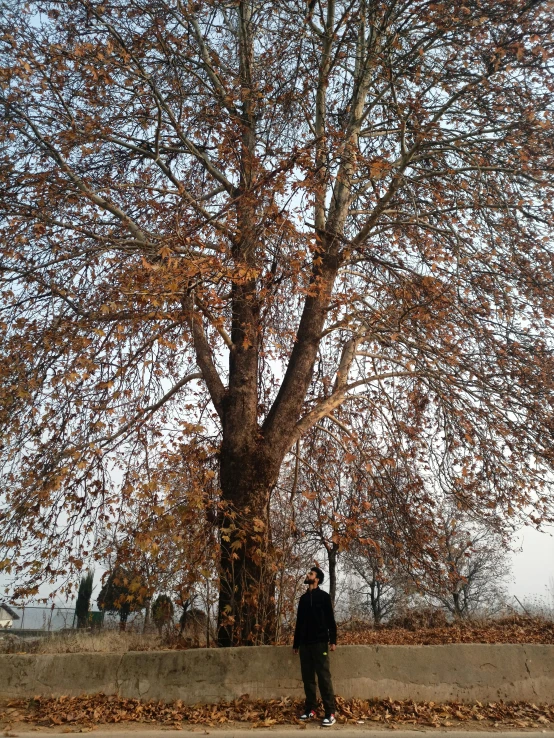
point(13, 731)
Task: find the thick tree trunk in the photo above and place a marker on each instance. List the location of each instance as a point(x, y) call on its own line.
point(250, 460)
point(247, 577)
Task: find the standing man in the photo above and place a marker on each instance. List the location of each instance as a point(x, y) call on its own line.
point(314, 636)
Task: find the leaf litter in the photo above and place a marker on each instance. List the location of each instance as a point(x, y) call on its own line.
point(88, 711)
point(513, 629)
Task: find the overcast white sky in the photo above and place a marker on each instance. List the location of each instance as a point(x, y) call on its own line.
point(533, 566)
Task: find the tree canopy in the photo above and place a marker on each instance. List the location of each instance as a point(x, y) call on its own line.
point(123, 592)
point(227, 225)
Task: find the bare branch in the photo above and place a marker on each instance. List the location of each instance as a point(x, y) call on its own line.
point(205, 360)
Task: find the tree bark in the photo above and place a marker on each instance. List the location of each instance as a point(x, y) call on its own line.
point(247, 577)
point(375, 596)
point(332, 552)
point(147, 606)
point(457, 607)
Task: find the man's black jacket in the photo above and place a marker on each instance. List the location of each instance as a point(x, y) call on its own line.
point(315, 622)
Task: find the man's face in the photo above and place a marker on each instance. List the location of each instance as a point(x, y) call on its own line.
point(310, 578)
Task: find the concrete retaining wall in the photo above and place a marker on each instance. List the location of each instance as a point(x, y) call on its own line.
point(463, 672)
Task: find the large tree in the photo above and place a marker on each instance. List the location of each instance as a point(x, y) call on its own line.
point(222, 221)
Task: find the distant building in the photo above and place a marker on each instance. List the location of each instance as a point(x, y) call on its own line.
point(7, 616)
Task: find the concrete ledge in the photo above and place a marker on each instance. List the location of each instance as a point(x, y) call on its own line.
point(461, 672)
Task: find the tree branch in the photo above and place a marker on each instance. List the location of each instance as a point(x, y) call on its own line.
point(219, 328)
point(326, 406)
point(205, 361)
point(144, 414)
point(102, 202)
point(202, 157)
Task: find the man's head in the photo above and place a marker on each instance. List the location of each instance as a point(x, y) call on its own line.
point(315, 576)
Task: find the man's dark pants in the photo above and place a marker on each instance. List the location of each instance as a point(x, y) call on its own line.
point(314, 659)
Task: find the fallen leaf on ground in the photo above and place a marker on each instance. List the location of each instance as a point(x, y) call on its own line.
point(78, 714)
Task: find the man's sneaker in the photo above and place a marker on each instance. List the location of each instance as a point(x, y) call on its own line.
point(328, 720)
point(308, 715)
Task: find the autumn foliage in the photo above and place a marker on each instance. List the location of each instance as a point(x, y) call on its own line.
point(247, 244)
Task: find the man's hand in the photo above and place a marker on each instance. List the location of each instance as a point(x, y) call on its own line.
point(332, 647)
point(295, 650)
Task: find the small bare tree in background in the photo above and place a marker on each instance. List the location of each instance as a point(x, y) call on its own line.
point(471, 568)
point(551, 593)
point(382, 586)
